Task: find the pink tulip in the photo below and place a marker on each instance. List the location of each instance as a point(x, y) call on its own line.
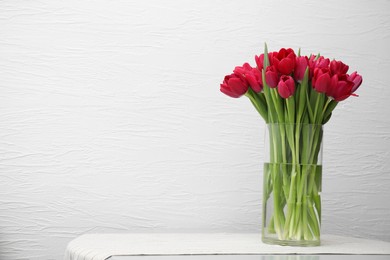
point(286, 86)
point(320, 63)
point(301, 64)
point(284, 61)
point(338, 67)
point(251, 75)
point(356, 79)
point(340, 87)
point(271, 77)
point(260, 60)
point(234, 86)
point(255, 80)
point(321, 80)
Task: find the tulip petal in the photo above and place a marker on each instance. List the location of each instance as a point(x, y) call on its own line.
point(227, 91)
point(323, 83)
point(238, 86)
point(286, 86)
point(356, 79)
point(253, 83)
point(271, 78)
point(301, 64)
point(286, 66)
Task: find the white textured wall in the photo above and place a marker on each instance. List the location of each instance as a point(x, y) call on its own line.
point(111, 119)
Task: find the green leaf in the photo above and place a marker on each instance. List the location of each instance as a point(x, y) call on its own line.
point(309, 107)
point(318, 110)
point(303, 88)
point(326, 119)
point(278, 103)
point(266, 60)
point(260, 96)
point(306, 145)
point(331, 106)
point(290, 102)
point(305, 119)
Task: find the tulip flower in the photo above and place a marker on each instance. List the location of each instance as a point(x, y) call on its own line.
point(295, 96)
point(284, 61)
point(241, 70)
point(286, 86)
point(340, 87)
point(234, 86)
point(338, 67)
point(271, 77)
point(255, 80)
point(320, 63)
point(251, 75)
point(301, 64)
point(321, 80)
point(356, 79)
point(260, 60)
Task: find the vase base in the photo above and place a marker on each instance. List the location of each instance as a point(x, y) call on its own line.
point(303, 243)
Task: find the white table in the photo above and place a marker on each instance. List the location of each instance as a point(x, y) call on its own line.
point(123, 246)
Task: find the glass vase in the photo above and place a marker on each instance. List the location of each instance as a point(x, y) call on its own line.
point(292, 184)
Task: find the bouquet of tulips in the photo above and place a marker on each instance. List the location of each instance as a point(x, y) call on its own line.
point(295, 95)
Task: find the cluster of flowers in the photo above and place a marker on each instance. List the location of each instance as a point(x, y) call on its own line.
point(295, 95)
point(286, 69)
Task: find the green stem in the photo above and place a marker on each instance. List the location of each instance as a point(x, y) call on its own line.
point(278, 219)
point(326, 105)
point(278, 104)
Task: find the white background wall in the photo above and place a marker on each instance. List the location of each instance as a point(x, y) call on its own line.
point(111, 119)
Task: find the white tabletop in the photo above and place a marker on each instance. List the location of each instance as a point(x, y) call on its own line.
point(254, 257)
point(104, 246)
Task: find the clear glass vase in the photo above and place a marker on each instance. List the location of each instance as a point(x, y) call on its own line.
point(292, 184)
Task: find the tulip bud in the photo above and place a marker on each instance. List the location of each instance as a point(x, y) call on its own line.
point(300, 68)
point(317, 63)
point(241, 70)
point(338, 67)
point(284, 61)
point(250, 75)
point(271, 77)
point(340, 87)
point(286, 86)
point(255, 80)
point(234, 86)
point(321, 80)
point(286, 66)
point(260, 60)
point(356, 79)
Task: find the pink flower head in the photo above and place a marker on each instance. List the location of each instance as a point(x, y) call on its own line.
point(260, 60)
point(301, 64)
point(319, 63)
point(338, 67)
point(234, 86)
point(284, 61)
point(286, 86)
point(321, 80)
point(340, 87)
point(271, 77)
point(251, 75)
point(356, 79)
